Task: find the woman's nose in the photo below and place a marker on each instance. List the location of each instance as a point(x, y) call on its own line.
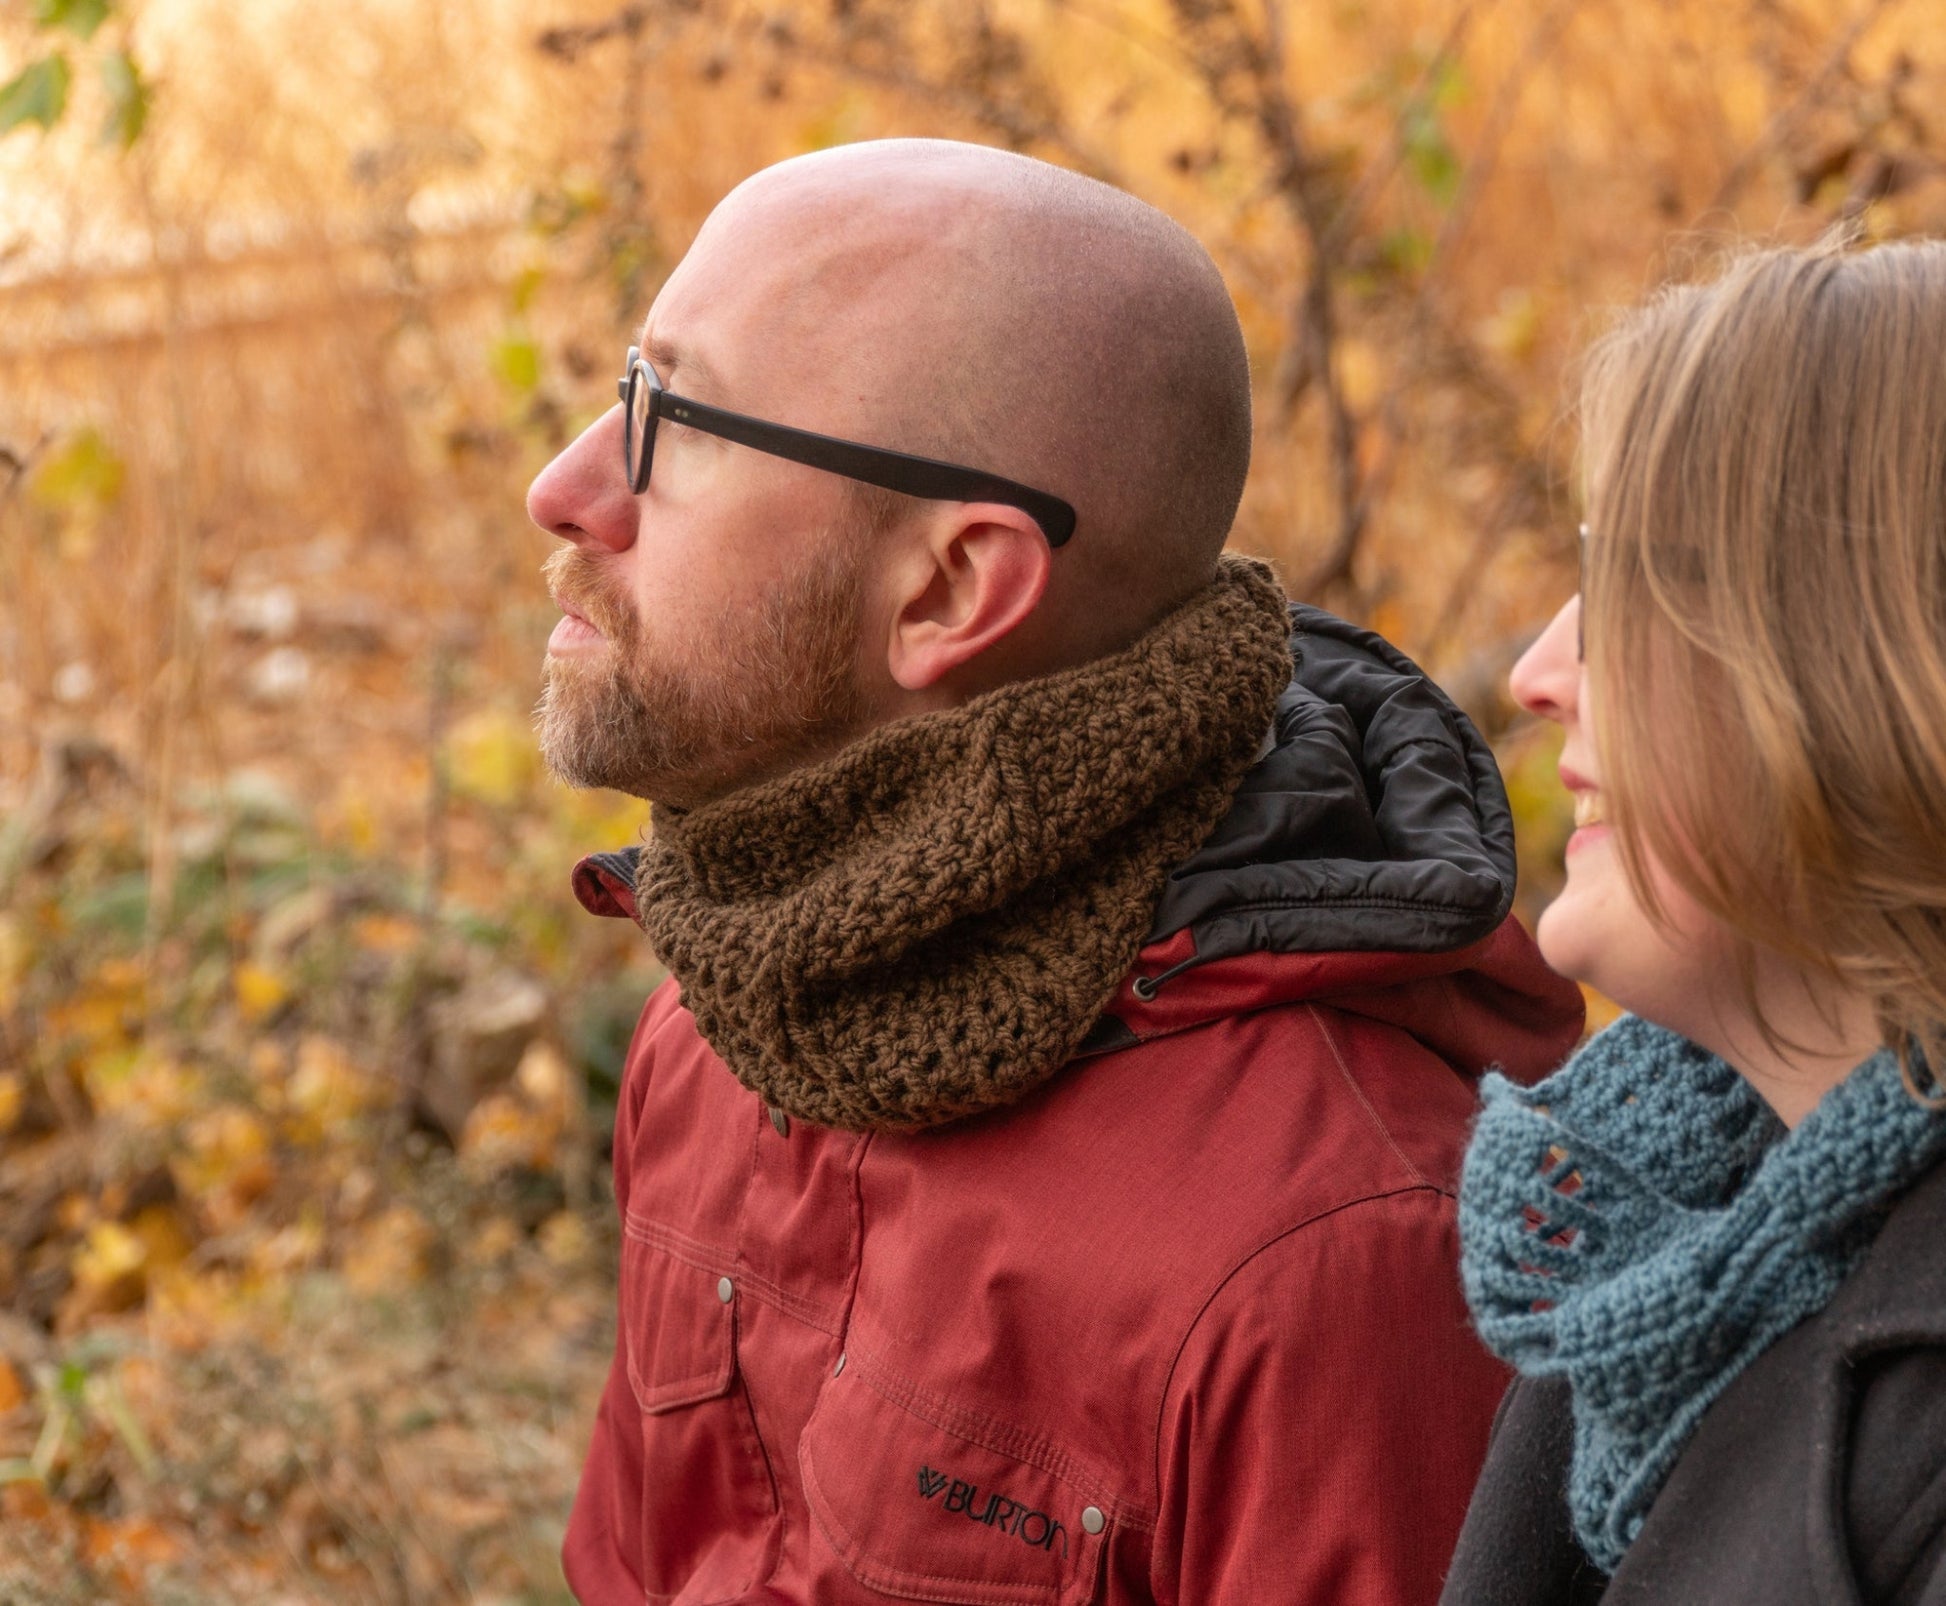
point(583, 496)
point(1547, 680)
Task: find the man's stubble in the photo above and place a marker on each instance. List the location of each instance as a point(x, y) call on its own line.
point(682, 723)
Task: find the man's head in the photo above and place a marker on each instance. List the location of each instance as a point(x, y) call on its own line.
point(951, 301)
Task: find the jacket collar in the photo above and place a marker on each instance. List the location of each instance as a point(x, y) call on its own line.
point(1898, 1293)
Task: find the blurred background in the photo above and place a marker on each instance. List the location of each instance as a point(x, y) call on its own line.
point(307, 1056)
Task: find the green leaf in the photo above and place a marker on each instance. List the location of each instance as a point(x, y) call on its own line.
point(83, 471)
point(1406, 251)
point(80, 17)
point(1449, 87)
point(128, 99)
point(526, 285)
point(38, 94)
point(1430, 155)
point(516, 361)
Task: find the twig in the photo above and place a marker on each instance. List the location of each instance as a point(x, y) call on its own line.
point(1378, 173)
point(1545, 33)
point(1425, 316)
point(1785, 119)
point(568, 42)
point(1163, 47)
point(1311, 351)
point(1486, 545)
point(1018, 127)
point(178, 672)
point(439, 718)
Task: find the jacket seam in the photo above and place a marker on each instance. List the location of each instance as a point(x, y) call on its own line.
point(1365, 1103)
point(1374, 901)
point(857, 1245)
point(1833, 1416)
point(706, 1257)
point(1230, 1276)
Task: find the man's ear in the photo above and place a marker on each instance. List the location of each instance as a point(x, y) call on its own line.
point(972, 575)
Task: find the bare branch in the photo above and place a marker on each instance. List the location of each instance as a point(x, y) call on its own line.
point(1541, 40)
point(1162, 47)
point(1426, 321)
point(1015, 124)
point(1231, 50)
point(570, 41)
point(1784, 122)
point(1515, 505)
point(1379, 172)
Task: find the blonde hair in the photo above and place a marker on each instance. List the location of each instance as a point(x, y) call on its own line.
point(1765, 614)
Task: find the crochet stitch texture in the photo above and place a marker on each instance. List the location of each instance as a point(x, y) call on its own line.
point(1641, 1224)
point(927, 923)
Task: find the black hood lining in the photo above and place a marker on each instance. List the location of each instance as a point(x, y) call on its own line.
point(1377, 822)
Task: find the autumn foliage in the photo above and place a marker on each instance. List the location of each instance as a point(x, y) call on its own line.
point(306, 1054)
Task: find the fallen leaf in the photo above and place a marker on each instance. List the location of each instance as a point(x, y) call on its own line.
point(130, 1547)
point(491, 756)
point(109, 1252)
point(504, 1132)
point(389, 1252)
point(390, 935)
point(498, 1238)
point(327, 1090)
point(260, 991)
point(543, 1075)
point(564, 1238)
point(225, 1163)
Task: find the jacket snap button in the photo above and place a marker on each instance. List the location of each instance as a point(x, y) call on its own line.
point(725, 1289)
point(1093, 1520)
point(781, 1121)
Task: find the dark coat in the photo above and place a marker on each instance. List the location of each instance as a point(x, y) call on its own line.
point(1819, 1476)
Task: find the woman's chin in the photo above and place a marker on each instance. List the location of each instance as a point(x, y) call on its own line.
point(1569, 940)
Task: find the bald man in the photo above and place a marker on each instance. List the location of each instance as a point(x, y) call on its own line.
point(1036, 1175)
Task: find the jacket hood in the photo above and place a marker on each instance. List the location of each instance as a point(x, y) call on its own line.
point(1375, 818)
point(1367, 863)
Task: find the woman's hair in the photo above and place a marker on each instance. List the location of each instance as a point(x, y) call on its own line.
point(1765, 613)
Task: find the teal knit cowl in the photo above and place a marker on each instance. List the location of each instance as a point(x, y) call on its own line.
point(1643, 1226)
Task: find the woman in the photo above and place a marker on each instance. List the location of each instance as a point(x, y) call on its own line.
point(1714, 1243)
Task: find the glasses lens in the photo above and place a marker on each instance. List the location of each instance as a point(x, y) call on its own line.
point(1581, 595)
point(638, 417)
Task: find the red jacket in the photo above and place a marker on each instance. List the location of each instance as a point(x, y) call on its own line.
point(1182, 1326)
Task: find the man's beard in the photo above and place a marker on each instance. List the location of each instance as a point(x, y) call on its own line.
point(682, 723)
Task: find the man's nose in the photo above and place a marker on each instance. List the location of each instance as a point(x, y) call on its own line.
point(583, 496)
point(1547, 680)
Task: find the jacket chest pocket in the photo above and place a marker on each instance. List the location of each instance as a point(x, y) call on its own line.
point(913, 1505)
point(709, 1502)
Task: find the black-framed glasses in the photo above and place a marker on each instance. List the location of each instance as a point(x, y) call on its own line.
point(644, 401)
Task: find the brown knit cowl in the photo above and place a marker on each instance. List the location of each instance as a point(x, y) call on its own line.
point(927, 923)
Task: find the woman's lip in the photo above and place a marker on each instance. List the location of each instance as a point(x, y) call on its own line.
point(1585, 837)
point(1575, 781)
